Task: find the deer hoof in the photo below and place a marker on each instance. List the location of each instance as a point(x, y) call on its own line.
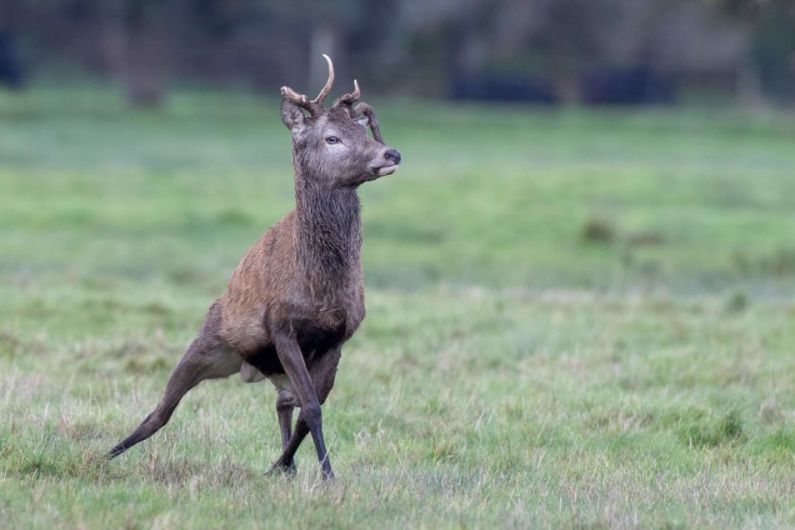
point(279, 468)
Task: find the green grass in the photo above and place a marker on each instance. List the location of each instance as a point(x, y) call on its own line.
point(575, 319)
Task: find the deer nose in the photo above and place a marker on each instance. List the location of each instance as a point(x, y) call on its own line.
point(393, 155)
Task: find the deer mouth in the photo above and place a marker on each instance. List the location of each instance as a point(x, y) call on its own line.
point(383, 171)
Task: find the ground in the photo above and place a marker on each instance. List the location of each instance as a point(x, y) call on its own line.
point(575, 318)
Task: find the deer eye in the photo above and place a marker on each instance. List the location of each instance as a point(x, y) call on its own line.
point(332, 140)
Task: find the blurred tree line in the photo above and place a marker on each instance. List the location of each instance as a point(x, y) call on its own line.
point(430, 47)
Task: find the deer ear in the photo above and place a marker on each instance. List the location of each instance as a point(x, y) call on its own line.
point(292, 116)
point(362, 120)
point(359, 118)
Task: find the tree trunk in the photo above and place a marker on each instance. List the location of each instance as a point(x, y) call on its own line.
point(145, 53)
point(144, 77)
point(749, 85)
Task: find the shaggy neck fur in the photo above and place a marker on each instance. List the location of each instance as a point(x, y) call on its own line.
point(328, 229)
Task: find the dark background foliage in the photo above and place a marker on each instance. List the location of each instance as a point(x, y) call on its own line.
point(544, 51)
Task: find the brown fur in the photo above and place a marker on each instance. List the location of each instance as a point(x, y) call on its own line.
point(298, 294)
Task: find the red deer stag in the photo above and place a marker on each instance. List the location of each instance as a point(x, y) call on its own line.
point(297, 295)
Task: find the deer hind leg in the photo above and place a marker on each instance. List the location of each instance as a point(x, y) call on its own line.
point(285, 404)
point(204, 359)
point(322, 373)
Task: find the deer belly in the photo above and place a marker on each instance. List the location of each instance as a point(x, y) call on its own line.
point(313, 341)
point(250, 374)
point(282, 382)
point(266, 361)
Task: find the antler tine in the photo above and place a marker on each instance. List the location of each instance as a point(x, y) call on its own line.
point(329, 83)
point(314, 106)
point(351, 97)
point(299, 99)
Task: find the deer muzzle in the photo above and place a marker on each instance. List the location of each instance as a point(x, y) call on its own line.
point(391, 163)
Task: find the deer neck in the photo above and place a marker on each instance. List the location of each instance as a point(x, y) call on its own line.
point(328, 231)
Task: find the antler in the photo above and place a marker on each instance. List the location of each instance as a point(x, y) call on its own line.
point(350, 100)
point(360, 108)
point(351, 97)
point(329, 83)
point(314, 106)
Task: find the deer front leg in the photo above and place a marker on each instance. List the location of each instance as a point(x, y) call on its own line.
point(322, 372)
point(310, 418)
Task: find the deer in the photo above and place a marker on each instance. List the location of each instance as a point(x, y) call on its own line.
point(297, 295)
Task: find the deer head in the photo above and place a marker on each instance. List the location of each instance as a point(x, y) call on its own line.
point(331, 146)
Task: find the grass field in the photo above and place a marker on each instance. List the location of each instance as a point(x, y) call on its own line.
point(575, 319)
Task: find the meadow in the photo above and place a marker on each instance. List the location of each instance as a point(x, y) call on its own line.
point(576, 318)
